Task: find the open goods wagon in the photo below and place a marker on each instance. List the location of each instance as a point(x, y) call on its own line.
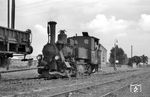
point(13, 42)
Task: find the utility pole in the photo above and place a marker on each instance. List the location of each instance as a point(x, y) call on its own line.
point(13, 15)
point(12, 19)
point(131, 51)
point(8, 13)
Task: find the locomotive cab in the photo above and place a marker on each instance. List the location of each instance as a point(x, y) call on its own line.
point(87, 52)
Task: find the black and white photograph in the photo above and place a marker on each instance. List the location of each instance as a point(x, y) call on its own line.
point(74, 48)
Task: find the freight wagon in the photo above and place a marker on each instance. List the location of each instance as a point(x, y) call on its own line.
point(13, 42)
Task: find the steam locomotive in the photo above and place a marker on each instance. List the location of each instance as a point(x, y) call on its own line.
point(68, 56)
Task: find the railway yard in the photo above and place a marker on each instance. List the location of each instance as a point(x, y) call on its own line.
point(79, 56)
point(105, 83)
point(72, 61)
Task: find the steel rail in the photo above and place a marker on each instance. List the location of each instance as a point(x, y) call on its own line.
point(68, 91)
point(108, 93)
point(97, 84)
point(128, 85)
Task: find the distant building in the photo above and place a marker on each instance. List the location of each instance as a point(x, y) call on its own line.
point(149, 61)
point(103, 56)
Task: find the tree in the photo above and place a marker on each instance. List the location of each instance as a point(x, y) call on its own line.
point(130, 62)
point(144, 59)
point(120, 55)
point(137, 60)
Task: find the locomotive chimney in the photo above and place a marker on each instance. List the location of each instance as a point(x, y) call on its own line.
point(52, 25)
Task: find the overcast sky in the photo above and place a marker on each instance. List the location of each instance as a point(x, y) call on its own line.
point(127, 21)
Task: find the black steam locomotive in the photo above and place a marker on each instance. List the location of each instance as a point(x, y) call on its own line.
point(68, 56)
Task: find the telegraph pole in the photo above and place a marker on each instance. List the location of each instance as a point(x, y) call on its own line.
point(8, 13)
point(11, 19)
point(131, 51)
point(13, 15)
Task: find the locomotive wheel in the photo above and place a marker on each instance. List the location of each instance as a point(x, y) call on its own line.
point(68, 73)
point(74, 73)
point(40, 70)
point(89, 69)
point(80, 70)
point(46, 75)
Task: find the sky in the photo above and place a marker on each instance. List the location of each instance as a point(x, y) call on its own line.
point(127, 21)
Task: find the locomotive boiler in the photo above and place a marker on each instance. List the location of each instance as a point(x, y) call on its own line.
point(68, 56)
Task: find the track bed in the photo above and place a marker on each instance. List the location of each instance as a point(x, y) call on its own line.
point(32, 86)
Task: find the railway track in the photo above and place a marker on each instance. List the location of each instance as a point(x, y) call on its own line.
point(67, 90)
point(114, 93)
point(91, 85)
point(37, 77)
point(17, 70)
